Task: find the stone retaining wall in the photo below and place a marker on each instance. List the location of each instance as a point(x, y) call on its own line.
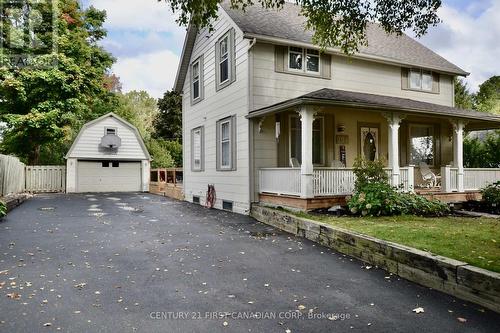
point(451, 276)
point(13, 201)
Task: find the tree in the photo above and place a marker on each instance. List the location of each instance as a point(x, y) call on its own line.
point(42, 102)
point(488, 96)
point(336, 23)
point(464, 99)
point(168, 124)
point(482, 153)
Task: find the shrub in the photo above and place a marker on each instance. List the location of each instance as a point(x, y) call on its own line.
point(367, 172)
point(175, 150)
point(491, 194)
point(375, 197)
point(160, 154)
point(3, 209)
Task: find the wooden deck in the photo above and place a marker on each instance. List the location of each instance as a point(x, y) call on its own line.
point(167, 182)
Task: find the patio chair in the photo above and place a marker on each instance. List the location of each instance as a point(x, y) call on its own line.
point(294, 163)
point(429, 177)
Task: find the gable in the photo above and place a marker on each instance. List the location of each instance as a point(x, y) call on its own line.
point(86, 144)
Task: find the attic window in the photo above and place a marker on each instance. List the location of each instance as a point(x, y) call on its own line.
point(110, 131)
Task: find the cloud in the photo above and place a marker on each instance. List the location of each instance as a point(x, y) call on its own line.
point(153, 72)
point(469, 37)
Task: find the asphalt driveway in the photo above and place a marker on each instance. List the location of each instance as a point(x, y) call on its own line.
point(144, 263)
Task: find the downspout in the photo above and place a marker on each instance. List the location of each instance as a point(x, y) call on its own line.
point(251, 162)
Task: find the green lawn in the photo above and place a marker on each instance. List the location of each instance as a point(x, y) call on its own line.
point(473, 240)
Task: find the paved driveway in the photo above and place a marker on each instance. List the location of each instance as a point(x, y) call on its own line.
point(133, 262)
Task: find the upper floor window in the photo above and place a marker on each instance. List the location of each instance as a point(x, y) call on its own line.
point(225, 60)
point(420, 79)
point(296, 56)
point(197, 86)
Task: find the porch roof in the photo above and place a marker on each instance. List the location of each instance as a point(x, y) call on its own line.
point(333, 97)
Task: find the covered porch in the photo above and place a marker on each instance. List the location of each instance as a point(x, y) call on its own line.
point(420, 143)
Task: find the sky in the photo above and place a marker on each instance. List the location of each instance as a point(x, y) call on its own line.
point(143, 36)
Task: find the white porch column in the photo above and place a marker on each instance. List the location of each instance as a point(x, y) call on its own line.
point(458, 152)
point(306, 168)
point(394, 121)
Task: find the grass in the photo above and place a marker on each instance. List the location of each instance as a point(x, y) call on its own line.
point(473, 240)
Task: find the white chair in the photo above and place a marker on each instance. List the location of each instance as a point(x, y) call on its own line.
point(429, 177)
point(294, 163)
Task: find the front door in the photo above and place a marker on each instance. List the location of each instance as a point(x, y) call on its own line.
point(369, 143)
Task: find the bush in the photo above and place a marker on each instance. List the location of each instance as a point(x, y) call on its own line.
point(367, 172)
point(175, 150)
point(3, 209)
point(375, 197)
point(160, 154)
point(491, 194)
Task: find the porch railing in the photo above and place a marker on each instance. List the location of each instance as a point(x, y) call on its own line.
point(476, 178)
point(282, 181)
point(326, 181)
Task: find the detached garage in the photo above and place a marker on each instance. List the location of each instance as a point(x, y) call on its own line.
point(108, 155)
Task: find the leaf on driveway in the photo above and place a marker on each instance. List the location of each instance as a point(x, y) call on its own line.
point(418, 310)
point(47, 324)
point(301, 307)
point(80, 285)
point(462, 320)
point(14, 295)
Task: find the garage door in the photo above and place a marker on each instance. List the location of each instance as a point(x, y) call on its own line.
point(108, 176)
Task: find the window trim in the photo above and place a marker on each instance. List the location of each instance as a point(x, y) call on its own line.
point(201, 85)
point(231, 120)
point(323, 141)
point(201, 130)
point(304, 54)
point(231, 60)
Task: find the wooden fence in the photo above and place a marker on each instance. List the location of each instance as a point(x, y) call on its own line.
point(167, 182)
point(45, 178)
point(12, 173)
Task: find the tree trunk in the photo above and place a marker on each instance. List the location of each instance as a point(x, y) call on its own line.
point(34, 156)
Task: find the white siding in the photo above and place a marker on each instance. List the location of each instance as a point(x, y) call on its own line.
point(270, 87)
point(87, 145)
point(232, 100)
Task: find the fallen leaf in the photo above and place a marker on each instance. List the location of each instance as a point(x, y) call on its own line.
point(225, 323)
point(14, 295)
point(462, 320)
point(47, 324)
point(301, 307)
point(418, 310)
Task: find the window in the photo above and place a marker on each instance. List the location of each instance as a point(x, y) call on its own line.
point(110, 130)
point(227, 205)
point(296, 56)
point(422, 80)
point(105, 164)
point(226, 144)
point(225, 64)
point(422, 144)
point(115, 164)
point(197, 147)
point(197, 86)
point(296, 140)
point(196, 199)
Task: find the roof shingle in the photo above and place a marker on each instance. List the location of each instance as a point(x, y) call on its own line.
point(287, 23)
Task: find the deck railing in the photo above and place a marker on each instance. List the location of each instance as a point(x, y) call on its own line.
point(326, 181)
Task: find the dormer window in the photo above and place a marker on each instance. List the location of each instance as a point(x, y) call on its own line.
point(296, 56)
point(110, 131)
point(420, 79)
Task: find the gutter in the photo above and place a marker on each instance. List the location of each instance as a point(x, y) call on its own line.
point(374, 58)
point(312, 101)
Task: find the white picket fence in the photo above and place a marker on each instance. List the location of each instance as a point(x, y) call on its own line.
point(45, 178)
point(12, 173)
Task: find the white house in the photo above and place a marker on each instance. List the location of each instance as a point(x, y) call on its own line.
point(257, 92)
point(108, 155)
